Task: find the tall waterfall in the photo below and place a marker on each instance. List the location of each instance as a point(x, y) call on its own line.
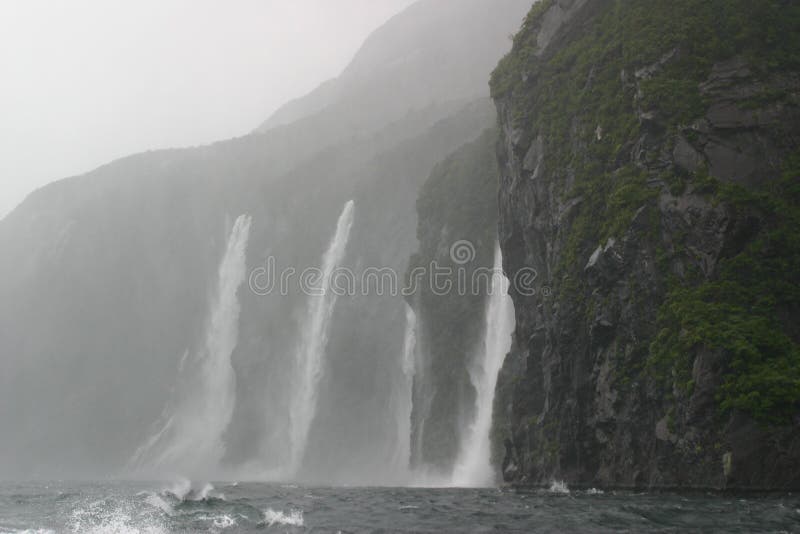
point(403, 395)
point(190, 441)
point(309, 359)
point(473, 466)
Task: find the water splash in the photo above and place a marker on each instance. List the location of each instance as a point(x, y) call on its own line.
point(190, 440)
point(473, 467)
point(559, 487)
point(309, 358)
point(278, 517)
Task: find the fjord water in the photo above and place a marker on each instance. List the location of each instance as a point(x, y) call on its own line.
point(190, 440)
point(473, 467)
point(161, 508)
point(310, 357)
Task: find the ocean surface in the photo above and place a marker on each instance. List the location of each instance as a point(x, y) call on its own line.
point(182, 507)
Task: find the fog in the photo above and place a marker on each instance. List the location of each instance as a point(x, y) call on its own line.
point(133, 342)
point(87, 81)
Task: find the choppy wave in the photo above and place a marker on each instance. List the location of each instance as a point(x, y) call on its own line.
point(277, 517)
point(136, 508)
point(184, 490)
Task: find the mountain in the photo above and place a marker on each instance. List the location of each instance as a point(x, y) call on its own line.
point(649, 174)
point(407, 64)
point(106, 279)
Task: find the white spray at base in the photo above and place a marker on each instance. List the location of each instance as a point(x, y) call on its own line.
point(190, 440)
point(473, 467)
point(309, 359)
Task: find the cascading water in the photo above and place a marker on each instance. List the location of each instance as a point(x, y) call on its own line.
point(309, 359)
point(190, 440)
point(402, 401)
point(473, 466)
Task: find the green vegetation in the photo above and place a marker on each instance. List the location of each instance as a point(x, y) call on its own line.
point(747, 312)
point(637, 68)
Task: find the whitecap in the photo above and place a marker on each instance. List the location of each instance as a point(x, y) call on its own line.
point(293, 519)
point(184, 490)
point(594, 491)
point(116, 516)
point(559, 487)
point(117, 520)
point(220, 522)
point(224, 521)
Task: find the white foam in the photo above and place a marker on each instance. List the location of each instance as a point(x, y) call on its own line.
point(224, 521)
point(559, 487)
point(293, 519)
point(97, 518)
point(220, 522)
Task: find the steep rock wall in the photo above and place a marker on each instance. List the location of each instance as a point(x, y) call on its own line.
point(649, 174)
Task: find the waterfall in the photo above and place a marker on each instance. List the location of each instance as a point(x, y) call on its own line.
point(423, 394)
point(190, 439)
point(309, 359)
point(473, 466)
point(402, 398)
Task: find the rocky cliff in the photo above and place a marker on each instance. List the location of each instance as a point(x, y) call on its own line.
point(649, 174)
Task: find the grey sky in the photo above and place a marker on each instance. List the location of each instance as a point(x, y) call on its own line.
point(87, 81)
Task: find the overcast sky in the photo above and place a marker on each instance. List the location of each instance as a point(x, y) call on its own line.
point(83, 82)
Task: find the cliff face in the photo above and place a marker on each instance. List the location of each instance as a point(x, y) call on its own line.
point(649, 174)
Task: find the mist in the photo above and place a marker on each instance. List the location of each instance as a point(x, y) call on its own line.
point(124, 337)
point(89, 81)
point(400, 265)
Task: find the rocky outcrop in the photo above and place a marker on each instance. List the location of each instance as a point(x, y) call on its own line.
point(648, 176)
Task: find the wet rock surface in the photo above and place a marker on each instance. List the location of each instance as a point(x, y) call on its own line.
point(577, 400)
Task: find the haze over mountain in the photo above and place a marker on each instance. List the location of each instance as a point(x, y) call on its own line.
point(106, 279)
point(88, 81)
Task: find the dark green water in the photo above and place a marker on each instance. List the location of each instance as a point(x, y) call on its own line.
point(157, 508)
